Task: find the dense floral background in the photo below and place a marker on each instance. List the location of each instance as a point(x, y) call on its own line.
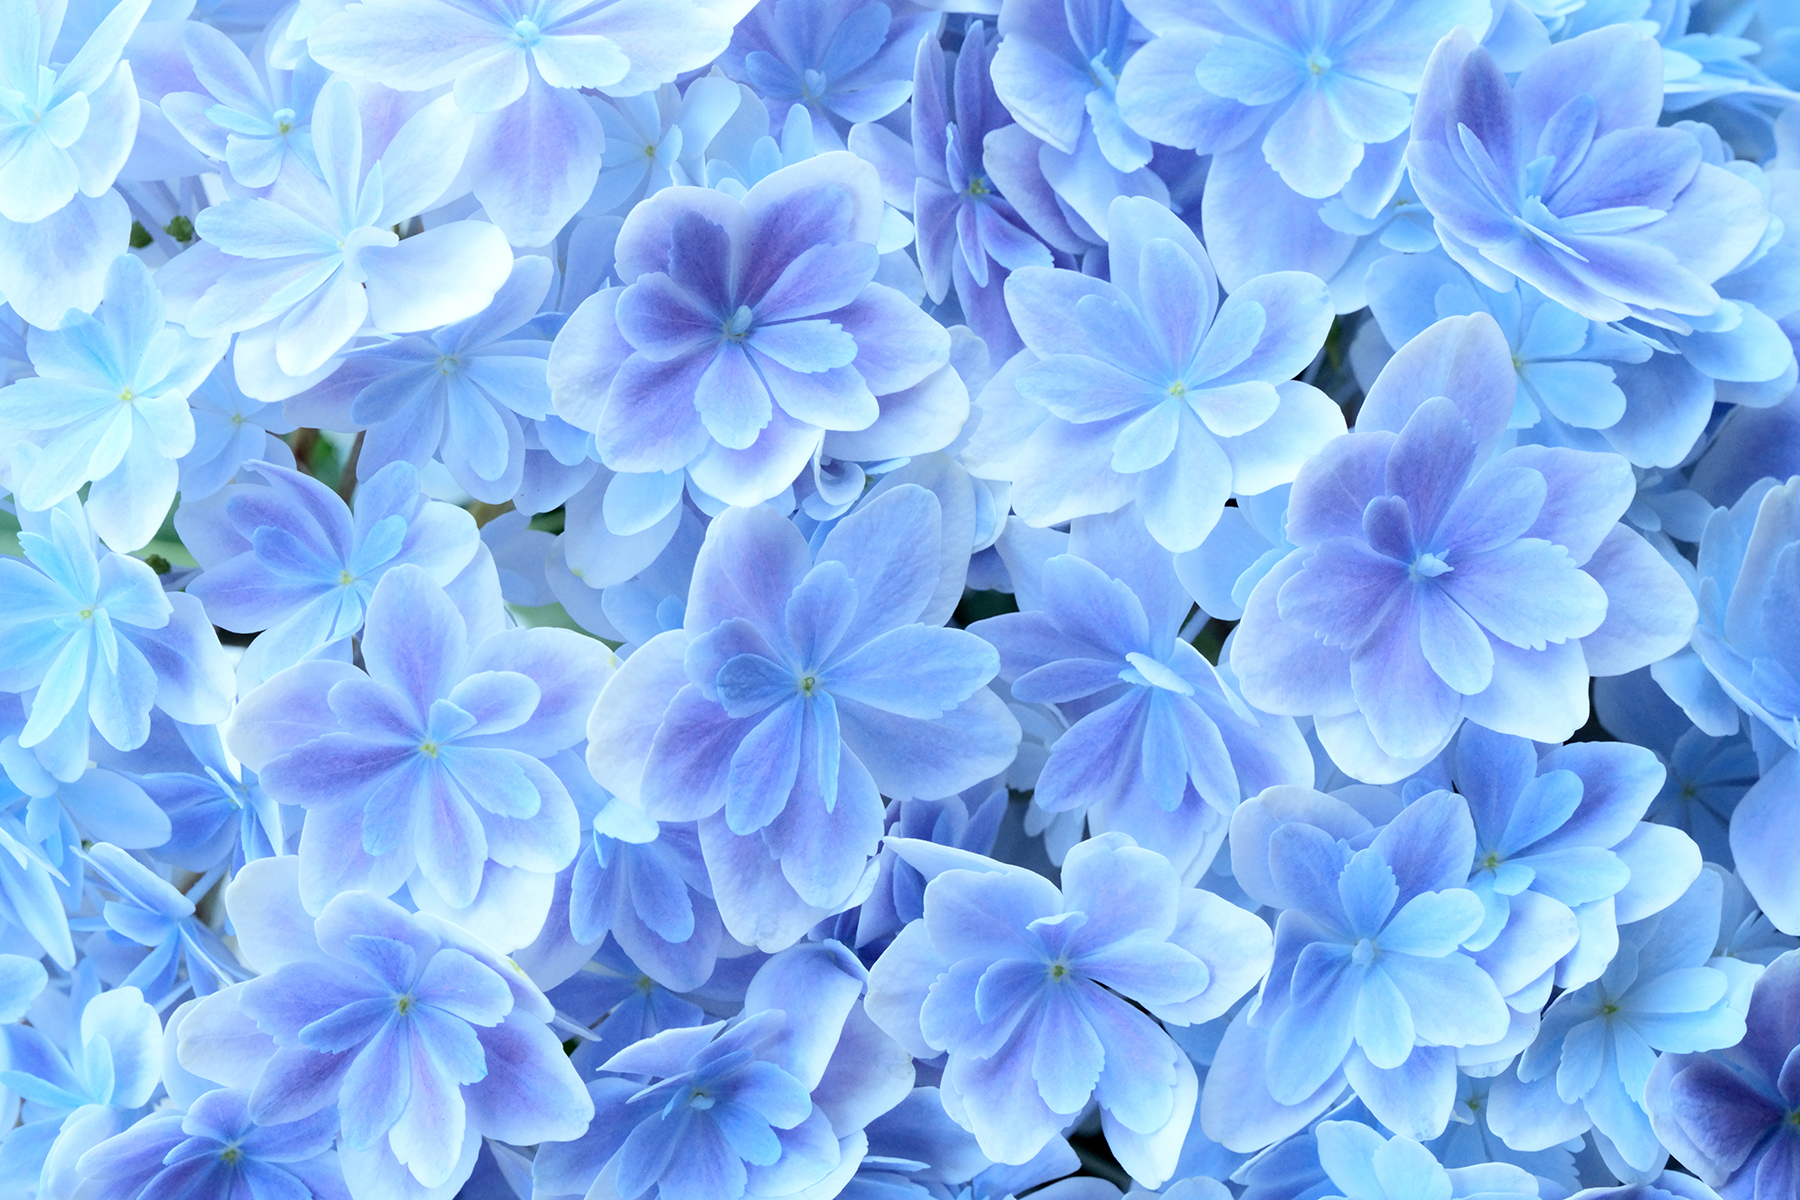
point(899, 599)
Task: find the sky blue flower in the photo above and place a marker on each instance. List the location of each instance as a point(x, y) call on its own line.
point(1250, 538)
point(1728, 1114)
point(1369, 975)
point(771, 1104)
point(1743, 660)
point(747, 330)
point(1435, 580)
point(318, 256)
point(517, 68)
point(215, 1149)
point(662, 138)
point(109, 405)
point(1362, 1165)
point(230, 429)
point(969, 233)
point(1334, 77)
point(294, 560)
point(67, 131)
point(1572, 372)
point(1057, 71)
point(428, 768)
point(1707, 775)
point(731, 638)
point(1147, 388)
point(1039, 995)
point(645, 883)
point(458, 393)
point(1564, 180)
point(1562, 857)
point(842, 61)
point(248, 119)
point(616, 1003)
point(217, 809)
point(1597, 1045)
point(146, 911)
point(802, 687)
point(422, 1037)
point(98, 643)
point(1159, 747)
point(93, 1084)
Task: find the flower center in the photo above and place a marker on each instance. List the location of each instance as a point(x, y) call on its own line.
point(1427, 566)
point(429, 749)
point(345, 579)
point(1318, 62)
point(404, 1004)
point(230, 1154)
point(738, 327)
point(1059, 970)
point(978, 186)
point(527, 34)
point(1364, 952)
point(808, 683)
point(284, 120)
point(127, 396)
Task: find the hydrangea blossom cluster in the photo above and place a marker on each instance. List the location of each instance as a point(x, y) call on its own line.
point(900, 600)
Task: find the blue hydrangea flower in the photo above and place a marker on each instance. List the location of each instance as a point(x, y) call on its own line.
point(294, 560)
point(842, 61)
point(1039, 996)
point(1148, 389)
point(802, 687)
point(1365, 1166)
point(148, 912)
point(109, 405)
point(67, 130)
point(250, 120)
point(659, 139)
point(1707, 775)
point(230, 430)
point(97, 643)
point(311, 261)
point(771, 1104)
point(1159, 746)
point(611, 1002)
point(1563, 179)
point(1746, 660)
point(428, 768)
point(424, 1039)
point(518, 70)
point(747, 330)
point(1333, 78)
point(215, 1149)
point(1728, 1114)
point(1597, 1046)
point(458, 393)
point(969, 232)
point(216, 808)
point(1369, 976)
point(1562, 857)
point(91, 1086)
point(645, 883)
point(1435, 580)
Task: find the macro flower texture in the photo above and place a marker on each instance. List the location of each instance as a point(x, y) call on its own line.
point(900, 600)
